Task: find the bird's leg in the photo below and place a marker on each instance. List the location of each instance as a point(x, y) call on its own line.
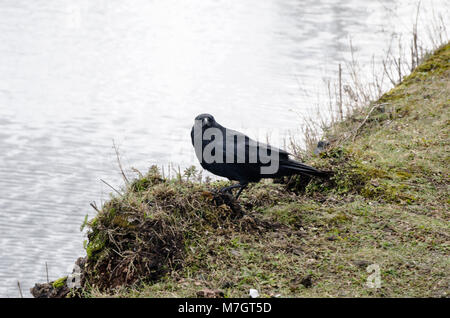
point(228, 189)
point(243, 186)
point(234, 186)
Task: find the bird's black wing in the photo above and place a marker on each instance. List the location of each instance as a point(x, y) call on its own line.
point(263, 151)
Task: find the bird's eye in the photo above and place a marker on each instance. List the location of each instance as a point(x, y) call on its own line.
point(206, 121)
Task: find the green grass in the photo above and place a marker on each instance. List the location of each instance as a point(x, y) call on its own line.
point(387, 204)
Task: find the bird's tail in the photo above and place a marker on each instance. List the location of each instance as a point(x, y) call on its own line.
point(301, 168)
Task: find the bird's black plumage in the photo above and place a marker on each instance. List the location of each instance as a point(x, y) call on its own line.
point(241, 166)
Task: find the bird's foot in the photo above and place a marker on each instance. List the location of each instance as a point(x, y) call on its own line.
point(230, 188)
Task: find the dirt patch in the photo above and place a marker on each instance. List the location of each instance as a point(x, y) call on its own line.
point(142, 235)
point(47, 290)
point(210, 293)
point(148, 250)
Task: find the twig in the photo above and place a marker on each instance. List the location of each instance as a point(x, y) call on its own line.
point(388, 74)
point(340, 92)
point(415, 35)
point(365, 120)
point(138, 172)
point(110, 186)
point(399, 61)
point(94, 206)
point(119, 163)
point(20, 289)
point(46, 270)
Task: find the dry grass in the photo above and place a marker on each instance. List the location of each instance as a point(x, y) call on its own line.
point(358, 87)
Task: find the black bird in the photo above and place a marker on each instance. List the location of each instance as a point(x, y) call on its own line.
point(248, 160)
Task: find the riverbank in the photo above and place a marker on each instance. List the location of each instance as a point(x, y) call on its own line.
point(385, 211)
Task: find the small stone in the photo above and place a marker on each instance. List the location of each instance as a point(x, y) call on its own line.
point(321, 145)
point(254, 293)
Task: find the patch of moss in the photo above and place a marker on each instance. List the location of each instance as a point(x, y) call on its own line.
point(60, 282)
point(351, 172)
point(153, 177)
point(435, 64)
point(387, 192)
point(97, 241)
point(289, 214)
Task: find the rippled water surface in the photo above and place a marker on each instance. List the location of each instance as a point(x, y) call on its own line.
point(76, 75)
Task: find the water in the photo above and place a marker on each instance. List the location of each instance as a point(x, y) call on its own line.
point(75, 75)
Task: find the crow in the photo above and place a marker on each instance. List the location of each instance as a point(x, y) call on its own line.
point(233, 155)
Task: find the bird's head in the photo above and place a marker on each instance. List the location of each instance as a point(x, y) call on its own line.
point(207, 120)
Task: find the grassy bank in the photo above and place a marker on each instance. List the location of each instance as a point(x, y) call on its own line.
point(387, 205)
